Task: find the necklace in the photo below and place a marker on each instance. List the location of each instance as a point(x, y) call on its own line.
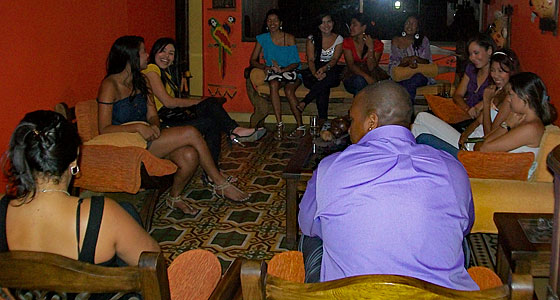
point(49, 190)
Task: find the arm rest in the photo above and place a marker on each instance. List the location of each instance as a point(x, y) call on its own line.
point(496, 165)
point(117, 169)
point(229, 287)
point(498, 195)
point(446, 109)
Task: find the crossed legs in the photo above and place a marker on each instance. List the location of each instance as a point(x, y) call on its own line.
point(185, 146)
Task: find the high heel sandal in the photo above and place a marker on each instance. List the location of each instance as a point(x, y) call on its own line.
point(253, 137)
point(175, 203)
point(298, 132)
point(206, 181)
point(279, 134)
point(218, 191)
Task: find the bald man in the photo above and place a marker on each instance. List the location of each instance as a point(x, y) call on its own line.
point(386, 205)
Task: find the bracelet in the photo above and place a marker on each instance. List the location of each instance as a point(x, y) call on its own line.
point(505, 126)
point(328, 67)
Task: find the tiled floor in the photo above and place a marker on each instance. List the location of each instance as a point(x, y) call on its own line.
point(255, 229)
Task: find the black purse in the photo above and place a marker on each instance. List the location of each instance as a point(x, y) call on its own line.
point(176, 114)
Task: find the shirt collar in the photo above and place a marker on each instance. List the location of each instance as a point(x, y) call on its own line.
point(388, 131)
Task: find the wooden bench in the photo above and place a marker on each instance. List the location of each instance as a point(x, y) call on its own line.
point(340, 100)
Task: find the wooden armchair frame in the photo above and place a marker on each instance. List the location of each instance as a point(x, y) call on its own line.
point(52, 272)
point(256, 285)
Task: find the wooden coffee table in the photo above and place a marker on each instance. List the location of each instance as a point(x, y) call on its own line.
point(516, 253)
point(293, 173)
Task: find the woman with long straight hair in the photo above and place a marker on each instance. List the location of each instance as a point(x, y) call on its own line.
point(124, 99)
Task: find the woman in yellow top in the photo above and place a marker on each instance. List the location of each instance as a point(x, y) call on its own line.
point(207, 115)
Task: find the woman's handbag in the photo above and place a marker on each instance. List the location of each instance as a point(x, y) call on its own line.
point(176, 114)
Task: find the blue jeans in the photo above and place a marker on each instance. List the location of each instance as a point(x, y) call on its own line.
point(434, 141)
point(354, 84)
point(312, 249)
point(417, 80)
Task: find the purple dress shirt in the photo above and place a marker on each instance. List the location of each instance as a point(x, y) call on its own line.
point(387, 205)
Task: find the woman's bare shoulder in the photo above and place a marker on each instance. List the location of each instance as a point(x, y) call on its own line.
point(290, 39)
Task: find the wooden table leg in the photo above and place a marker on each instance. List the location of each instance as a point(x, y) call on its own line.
point(502, 265)
point(291, 213)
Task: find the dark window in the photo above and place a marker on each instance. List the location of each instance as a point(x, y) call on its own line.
point(300, 16)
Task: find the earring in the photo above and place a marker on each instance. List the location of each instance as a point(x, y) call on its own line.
point(403, 33)
point(266, 28)
point(280, 27)
point(74, 170)
point(370, 128)
point(417, 36)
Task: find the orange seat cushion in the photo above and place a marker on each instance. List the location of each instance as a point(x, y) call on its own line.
point(288, 266)
point(193, 275)
point(497, 165)
point(446, 109)
point(484, 278)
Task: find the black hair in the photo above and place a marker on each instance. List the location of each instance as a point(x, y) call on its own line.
point(365, 19)
point(531, 89)
point(507, 60)
point(483, 40)
point(317, 36)
point(158, 47)
point(44, 143)
point(273, 11)
point(125, 50)
point(417, 41)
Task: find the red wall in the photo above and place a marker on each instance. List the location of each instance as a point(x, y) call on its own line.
point(55, 51)
point(538, 52)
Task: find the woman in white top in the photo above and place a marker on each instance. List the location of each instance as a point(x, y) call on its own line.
point(323, 50)
point(503, 64)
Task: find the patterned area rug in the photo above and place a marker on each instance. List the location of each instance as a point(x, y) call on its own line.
point(255, 229)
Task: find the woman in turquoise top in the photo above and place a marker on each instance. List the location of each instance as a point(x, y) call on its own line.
point(281, 61)
point(124, 96)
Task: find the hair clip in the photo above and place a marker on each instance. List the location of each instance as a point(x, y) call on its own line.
point(545, 96)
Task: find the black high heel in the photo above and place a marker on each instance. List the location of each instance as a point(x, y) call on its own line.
point(253, 137)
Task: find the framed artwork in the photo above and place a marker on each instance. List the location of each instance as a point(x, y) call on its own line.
point(217, 4)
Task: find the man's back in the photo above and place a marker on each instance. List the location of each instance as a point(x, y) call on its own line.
point(388, 206)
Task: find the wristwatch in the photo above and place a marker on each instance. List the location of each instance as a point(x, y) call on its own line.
point(505, 126)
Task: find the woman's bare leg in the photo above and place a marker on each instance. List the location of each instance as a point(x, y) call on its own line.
point(186, 159)
point(290, 90)
point(174, 138)
point(275, 99)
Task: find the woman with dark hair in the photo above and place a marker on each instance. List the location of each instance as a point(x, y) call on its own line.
point(281, 60)
point(208, 115)
point(42, 158)
point(409, 50)
point(323, 50)
point(522, 130)
point(124, 99)
point(362, 53)
point(476, 78)
point(503, 65)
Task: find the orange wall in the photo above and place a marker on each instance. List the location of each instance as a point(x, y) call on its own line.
point(55, 51)
point(537, 52)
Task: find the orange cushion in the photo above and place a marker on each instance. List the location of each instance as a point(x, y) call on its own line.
point(446, 109)
point(193, 275)
point(288, 266)
point(497, 165)
point(549, 140)
point(484, 278)
point(86, 117)
point(105, 168)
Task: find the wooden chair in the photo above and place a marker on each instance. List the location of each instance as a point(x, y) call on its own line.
point(256, 285)
point(41, 272)
point(108, 168)
point(553, 162)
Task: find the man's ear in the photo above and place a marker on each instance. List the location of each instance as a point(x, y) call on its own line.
point(372, 121)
